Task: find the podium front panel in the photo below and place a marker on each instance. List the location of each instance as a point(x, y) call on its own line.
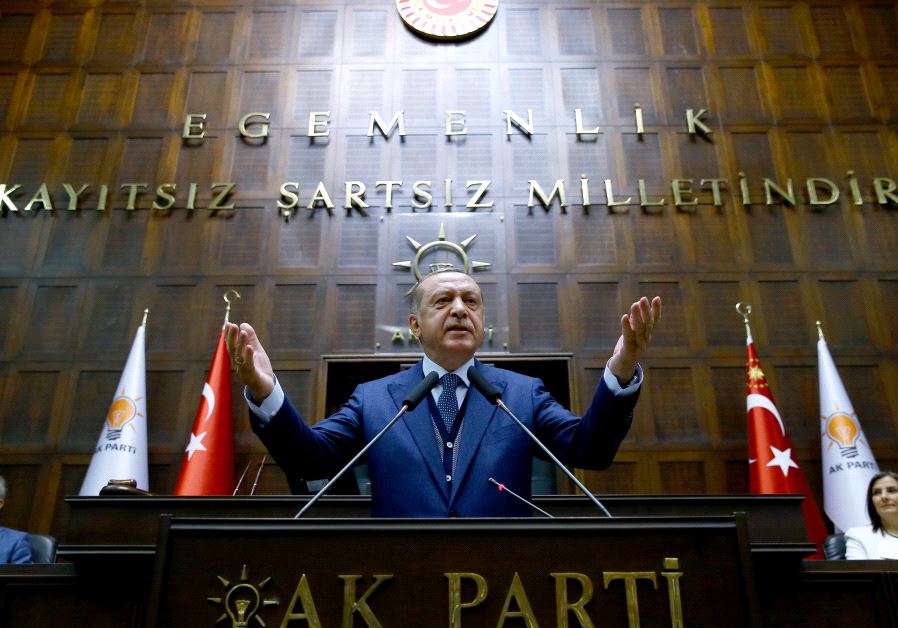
point(614, 572)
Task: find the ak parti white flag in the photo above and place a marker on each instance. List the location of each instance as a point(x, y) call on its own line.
point(848, 462)
point(121, 451)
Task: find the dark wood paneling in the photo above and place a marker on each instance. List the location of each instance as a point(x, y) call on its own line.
point(97, 93)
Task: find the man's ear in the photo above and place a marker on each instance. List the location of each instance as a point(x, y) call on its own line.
point(413, 324)
point(2, 501)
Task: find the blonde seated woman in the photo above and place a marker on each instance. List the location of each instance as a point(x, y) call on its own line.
point(879, 540)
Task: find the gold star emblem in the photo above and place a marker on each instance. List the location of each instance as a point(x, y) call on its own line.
point(755, 375)
point(460, 249)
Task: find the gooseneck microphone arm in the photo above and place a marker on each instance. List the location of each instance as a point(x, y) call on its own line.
point(495, 397)
point(409, 403)
point(503, 488)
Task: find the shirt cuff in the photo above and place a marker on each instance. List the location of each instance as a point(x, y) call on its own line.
point(615, 387)
point(269, 406)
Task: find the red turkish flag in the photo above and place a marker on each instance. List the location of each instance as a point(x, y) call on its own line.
point(208, 465)
point(772, 467)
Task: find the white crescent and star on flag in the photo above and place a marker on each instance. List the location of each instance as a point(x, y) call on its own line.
point(781, 458)
point(209, 396)
point(195, 444)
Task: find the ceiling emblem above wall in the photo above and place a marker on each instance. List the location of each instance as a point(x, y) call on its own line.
point(447, 19)
point(460, 249)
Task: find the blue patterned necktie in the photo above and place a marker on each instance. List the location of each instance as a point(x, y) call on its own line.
point(448, 401)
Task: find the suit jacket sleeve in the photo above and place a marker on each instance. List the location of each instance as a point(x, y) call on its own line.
point(14, 548)
point(590, 441)
point(313, 452)
point(21, 552)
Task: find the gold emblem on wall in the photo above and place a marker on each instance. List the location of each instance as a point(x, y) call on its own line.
point(447, 19)
point(242, 601)
point(460, 249)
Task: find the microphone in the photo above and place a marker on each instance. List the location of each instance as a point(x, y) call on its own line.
point(492, 394)
point(420, 391)
point(502, 487)
point(409, 403)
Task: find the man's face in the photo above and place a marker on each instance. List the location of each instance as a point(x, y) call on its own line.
point(449, 322)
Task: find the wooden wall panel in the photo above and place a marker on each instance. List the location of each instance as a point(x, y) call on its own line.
point(98, 92)
point(576, 32)
point(683, 477)
point(116, 39)
point(539, 317)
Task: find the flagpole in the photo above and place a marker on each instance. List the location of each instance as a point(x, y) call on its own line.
point(744, 309)
point(819, 331)
point(146, 312)
point(228, 297)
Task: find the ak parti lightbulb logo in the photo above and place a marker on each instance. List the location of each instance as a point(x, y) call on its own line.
point(842, 430)
point(122, 411)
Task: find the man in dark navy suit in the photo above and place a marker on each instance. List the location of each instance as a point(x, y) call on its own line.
point(14, 546)
point(437, 460)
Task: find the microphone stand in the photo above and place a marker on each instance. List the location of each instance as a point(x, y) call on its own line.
point(491, 393)
point(410, 403)
point(502, 487)
point(552, 457)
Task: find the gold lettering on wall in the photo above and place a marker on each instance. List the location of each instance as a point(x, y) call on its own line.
point(318, 123)
point(814, 186)
point(644, 202)
point(817, 192)
point(637, 114)
point(455, 126)
point(194, 126)
point(546, 200)
point(683, 196)
point(695, 124)
point(397, 121)
point(252, 118)
point(512, 118)
point(578, 124)
point(454, 123)
point(474, 202)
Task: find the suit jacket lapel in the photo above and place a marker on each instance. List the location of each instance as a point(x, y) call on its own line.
point(478, 416)
point(419, 423)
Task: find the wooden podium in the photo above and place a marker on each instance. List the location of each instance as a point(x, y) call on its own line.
point(429, 573)
point(110, 563)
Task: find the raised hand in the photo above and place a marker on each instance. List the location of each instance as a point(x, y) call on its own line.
point(249, 358)
point(636, 335)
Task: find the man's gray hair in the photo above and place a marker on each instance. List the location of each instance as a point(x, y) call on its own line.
point(414, 295)
point(2, 488)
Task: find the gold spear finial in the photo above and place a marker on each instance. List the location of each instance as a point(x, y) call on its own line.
point(228, 297)
point(744, 309)
point(819, 330)
point(146, 312)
